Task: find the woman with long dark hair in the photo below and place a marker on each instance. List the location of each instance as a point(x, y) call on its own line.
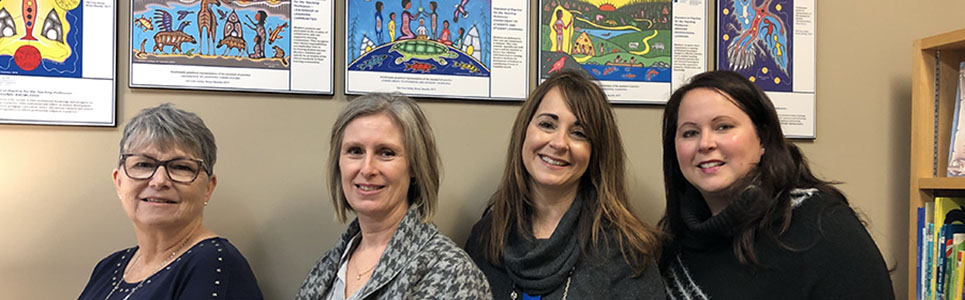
point(747, 219)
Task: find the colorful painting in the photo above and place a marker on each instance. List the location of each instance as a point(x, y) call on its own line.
point(612, 40)
point(250, 34)
point(445, 37)
point(755, 39)
point(41, 38)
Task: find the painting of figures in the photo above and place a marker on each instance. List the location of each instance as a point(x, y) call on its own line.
point(448, 37)
point(612, 40)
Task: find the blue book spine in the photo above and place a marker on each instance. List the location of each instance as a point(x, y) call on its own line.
point(918, 261)
point(930, 260)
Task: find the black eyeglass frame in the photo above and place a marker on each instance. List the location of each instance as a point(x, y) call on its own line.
point(201, 167)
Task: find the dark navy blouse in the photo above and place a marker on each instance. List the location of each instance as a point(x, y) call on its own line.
point(211, 269)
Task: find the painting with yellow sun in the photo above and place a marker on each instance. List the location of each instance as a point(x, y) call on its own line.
point(611, 40)
point(41, 37)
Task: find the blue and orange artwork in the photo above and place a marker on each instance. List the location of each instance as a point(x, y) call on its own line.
point(612, 40)
point(252, 34)
point(755, 41)
point(41, 38)
point(419, 36)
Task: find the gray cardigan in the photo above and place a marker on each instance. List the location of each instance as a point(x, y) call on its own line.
point(418, 263)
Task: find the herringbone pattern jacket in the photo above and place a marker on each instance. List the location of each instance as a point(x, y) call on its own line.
point(419, 263)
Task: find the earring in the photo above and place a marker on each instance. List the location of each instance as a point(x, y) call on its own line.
point(205, 203)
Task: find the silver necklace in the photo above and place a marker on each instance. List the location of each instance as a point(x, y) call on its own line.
point(566, 289)
point(148, 279)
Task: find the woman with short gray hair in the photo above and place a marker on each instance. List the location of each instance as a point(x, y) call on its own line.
point(176, 256)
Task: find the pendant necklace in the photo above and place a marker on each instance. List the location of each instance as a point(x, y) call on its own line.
point(148, 279)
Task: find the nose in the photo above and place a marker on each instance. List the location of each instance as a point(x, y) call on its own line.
point(559, 141)
point(707, 142)
point(160, 178)
point(368, 166)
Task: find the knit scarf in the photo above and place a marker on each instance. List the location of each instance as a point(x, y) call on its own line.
point(541, 266)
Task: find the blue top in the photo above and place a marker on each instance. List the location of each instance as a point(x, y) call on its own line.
point(211, 269)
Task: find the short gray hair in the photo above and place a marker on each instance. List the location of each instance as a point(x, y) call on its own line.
point(419, 144)
point(165, 126)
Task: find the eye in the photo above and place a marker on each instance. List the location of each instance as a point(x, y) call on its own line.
point(144, 164)
point(688, 133)
point(387, 153)
point(53, 29)
point(723, 126)
point(183, 165)
point(353, 151)
point(546, 125)
point(7, 27)
point(579, 133)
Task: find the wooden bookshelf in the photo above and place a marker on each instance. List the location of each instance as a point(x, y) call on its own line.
point(934, 81)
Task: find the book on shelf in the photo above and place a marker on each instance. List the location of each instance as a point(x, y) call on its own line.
point(956, 151)
point(946, 260)
point(947, 210)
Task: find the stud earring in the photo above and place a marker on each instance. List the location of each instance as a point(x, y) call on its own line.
point(205, 203)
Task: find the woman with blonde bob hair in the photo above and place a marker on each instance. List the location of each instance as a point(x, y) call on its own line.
point(559, 225)
point(385, 169)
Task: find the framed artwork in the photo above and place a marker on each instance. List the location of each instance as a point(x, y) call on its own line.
point(279, 46)
point(474, 49)
point(57, 62)
point(772, 43)
point(639, 51)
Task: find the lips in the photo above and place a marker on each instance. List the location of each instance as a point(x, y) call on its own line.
point(553, 161)
point(157, 200)
point(710, 164)
point(369, 187)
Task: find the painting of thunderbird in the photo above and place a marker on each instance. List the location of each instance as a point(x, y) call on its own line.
point(612, 40)
point(41, 38)
point(419, 36)
point(229, 33)
point(755, 40)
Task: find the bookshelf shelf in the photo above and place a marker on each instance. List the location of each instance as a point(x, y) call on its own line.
point(942, 183)
point(935, 67)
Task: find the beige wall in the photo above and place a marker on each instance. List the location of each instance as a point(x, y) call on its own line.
point(59, 213)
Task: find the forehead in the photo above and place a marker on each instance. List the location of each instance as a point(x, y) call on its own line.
point(162, 151)
point(376, 128)
point(555, 103)
point(705, 104)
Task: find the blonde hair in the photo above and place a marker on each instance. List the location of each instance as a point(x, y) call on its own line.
point(418, 140)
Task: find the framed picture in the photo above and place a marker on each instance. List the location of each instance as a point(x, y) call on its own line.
point(57, 62)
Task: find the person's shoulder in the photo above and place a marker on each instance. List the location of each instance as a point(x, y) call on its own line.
point(214, 252)
point(114, 260)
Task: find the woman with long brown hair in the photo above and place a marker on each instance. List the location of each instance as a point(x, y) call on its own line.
point(560, 226)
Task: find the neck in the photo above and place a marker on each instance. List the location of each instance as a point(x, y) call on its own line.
point(717, 202)
point(549, 205)
point(156, 245)
point(377, 231)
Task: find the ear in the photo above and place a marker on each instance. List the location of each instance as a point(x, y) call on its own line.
point(212, 182)
point(117, 181)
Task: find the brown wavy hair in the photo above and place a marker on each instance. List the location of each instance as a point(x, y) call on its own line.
point(602, 187)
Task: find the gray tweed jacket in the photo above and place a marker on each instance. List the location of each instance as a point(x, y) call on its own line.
point(418, 263)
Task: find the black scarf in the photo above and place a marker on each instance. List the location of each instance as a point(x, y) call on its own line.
point(541, 266)
point(707, 230)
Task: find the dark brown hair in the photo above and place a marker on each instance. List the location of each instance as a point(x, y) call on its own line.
point(782, 167)
point(602, 187)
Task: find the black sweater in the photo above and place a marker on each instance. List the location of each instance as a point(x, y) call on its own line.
point(605, 276)
point(833, 256)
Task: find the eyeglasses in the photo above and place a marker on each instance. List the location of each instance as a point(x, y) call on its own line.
point(181, 170)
